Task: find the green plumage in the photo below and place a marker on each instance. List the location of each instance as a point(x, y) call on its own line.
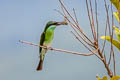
point(46, 39)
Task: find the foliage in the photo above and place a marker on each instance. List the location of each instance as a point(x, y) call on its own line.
point(105, 78)
point(114, 42)
point(116, 3)
point(110, 39)
point(116, 14)
point(117, 31)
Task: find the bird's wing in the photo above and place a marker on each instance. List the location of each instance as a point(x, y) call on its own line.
point(42, 38)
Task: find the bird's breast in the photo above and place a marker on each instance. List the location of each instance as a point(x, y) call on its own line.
point(49, 36)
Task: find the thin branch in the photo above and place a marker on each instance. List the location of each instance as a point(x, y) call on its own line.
point(111, 38)
point(105, 39)
point(114, 64)
point(76, 18)
point(63, 14)
point(93, 25)
point(107, 17)
point(74, 25)
point(86, 46)
point(89, 18)
point(82, 42)
point(97, 20)
point(59, 12)
point(112, 50)
point(91, 45)
point(107, 7)
point(60, 50)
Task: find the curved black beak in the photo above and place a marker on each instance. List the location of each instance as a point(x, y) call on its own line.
point(61, 23)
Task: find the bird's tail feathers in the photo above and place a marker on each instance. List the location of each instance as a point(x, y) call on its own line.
point(39, 68)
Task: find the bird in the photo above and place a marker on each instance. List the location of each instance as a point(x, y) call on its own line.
point(46, 40)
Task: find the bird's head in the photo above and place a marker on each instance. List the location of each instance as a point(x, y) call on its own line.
point(54, 23)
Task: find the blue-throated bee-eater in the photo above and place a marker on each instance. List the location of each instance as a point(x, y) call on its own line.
point(46, 39)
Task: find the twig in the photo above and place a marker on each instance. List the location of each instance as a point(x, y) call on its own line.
point(90, 18)
point(75, 24)
point(93, 25)
point(112, 50)
point(60, 50)
point(80, 35)
point(97, 20)
point(105, 39)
